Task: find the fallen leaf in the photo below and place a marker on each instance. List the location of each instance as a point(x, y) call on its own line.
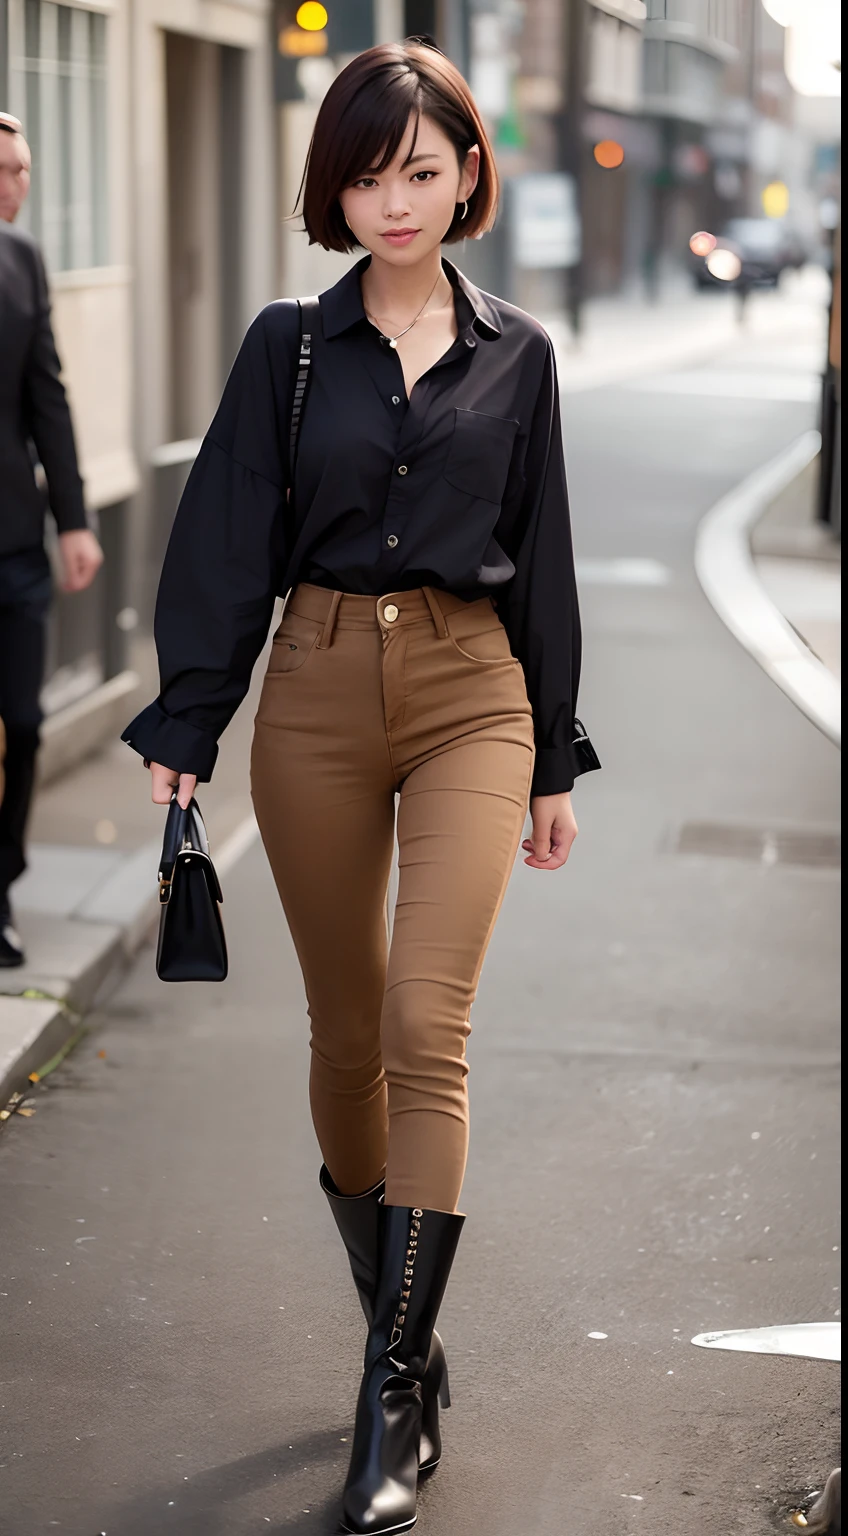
point(27, 1112)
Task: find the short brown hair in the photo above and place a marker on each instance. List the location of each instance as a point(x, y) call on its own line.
point(362, 121)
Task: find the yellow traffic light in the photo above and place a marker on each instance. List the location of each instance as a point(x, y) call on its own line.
point(311, 16)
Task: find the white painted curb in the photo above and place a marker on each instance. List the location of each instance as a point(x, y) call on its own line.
point(727, 573)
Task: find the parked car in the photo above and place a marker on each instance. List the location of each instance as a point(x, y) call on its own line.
point(765, 247)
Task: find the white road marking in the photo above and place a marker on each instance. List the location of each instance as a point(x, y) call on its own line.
point(623, 573)
point(735, 384)
point(810, 1341)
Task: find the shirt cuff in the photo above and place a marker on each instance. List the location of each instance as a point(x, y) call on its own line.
point(557, 767)
point(160, 738)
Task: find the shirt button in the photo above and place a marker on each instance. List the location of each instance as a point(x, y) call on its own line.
point(390, 613)
point(392, 541)
point(395, 399)
point(402, 469)
point(469, 342)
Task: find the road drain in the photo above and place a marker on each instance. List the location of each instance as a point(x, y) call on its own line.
point(761, 845)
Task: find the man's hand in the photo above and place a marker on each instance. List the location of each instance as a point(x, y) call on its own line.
point(163, 782)
point(554, 831)
point(81, 558)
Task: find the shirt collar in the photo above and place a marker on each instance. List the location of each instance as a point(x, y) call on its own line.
point(342, 307)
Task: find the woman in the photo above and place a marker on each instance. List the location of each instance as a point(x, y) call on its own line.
point(431, 634)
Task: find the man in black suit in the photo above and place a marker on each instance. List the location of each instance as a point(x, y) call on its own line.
point(33, 414)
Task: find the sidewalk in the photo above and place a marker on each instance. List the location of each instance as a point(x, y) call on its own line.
point(90, 898)
point(628, 338)
point(799, 562)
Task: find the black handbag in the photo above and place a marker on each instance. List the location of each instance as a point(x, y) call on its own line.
point(191, 943)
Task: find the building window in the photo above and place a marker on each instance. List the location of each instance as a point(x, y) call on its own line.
point(57, 70)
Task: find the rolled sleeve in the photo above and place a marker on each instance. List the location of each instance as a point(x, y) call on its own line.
point(162, 738)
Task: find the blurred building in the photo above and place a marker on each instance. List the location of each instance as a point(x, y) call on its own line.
point(667, 116)
point(154, 195)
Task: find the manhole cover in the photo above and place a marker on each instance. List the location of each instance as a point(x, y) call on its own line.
point(762, 845)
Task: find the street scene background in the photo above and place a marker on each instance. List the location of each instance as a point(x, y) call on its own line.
point(654, 1056)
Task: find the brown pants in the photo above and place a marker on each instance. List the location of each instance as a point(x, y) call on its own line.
point(416, 693)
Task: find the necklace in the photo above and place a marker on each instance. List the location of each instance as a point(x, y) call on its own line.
point(393, 340)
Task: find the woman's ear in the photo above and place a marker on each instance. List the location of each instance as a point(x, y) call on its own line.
point(470, 174)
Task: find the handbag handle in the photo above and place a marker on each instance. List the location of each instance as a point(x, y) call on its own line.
point(184, 831)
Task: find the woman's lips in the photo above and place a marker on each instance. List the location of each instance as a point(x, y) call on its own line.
point(400, 236)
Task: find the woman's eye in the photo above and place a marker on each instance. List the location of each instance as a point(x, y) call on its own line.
point(423, 175)
point(365, 181)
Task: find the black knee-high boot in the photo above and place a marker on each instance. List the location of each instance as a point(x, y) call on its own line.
point(416, 1253)
point(357, 1218)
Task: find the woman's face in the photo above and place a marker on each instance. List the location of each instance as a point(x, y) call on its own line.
point(403, 213)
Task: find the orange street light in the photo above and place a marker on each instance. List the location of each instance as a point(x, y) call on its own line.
point(609, 154)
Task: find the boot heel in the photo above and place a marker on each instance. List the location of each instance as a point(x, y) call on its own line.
point(444, 1389)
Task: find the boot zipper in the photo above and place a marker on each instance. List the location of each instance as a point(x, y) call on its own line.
point(406, 1289)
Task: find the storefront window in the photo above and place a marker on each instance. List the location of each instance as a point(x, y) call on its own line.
point(57, 81)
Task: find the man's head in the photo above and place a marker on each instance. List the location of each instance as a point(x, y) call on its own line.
point(15, 161)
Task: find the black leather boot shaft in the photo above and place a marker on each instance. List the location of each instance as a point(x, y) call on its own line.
point(417, 1249)
point(358, 1220)
point(416, 1253)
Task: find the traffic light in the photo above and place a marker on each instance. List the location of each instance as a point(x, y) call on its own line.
point(302, 30)
point(306, 29)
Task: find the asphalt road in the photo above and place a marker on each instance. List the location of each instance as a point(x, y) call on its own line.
point(654, 1142)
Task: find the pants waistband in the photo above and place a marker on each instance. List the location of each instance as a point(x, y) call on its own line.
point(349, 610)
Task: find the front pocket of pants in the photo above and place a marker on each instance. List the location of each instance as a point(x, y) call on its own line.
point(292, 644)
point(480, 453)
point(484, 647)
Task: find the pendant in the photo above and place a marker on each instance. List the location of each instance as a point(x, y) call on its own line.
point(393, 343)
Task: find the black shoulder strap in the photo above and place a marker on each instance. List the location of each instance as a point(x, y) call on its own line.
point(308, 320)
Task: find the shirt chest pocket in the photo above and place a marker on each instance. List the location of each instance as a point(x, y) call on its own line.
point(479, 454)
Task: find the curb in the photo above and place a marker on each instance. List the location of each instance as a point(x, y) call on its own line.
point(725, 568)
point(41, 1023)
point(75, 732)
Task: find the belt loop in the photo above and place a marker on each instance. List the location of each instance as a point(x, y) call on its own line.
point(327, 632)
point(439, 619)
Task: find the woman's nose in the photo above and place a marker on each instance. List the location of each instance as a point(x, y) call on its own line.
point(396, 204)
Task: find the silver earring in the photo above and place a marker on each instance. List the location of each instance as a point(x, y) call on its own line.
point(464, 214)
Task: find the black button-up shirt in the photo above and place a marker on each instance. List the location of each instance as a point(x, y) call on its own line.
point(461, 486)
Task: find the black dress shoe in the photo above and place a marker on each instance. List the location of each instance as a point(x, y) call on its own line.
point(416, 1253)
point(11, 948)
point(357, 1218)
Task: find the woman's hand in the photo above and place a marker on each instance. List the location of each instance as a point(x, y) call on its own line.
point(164, 781)
point(554, 831)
